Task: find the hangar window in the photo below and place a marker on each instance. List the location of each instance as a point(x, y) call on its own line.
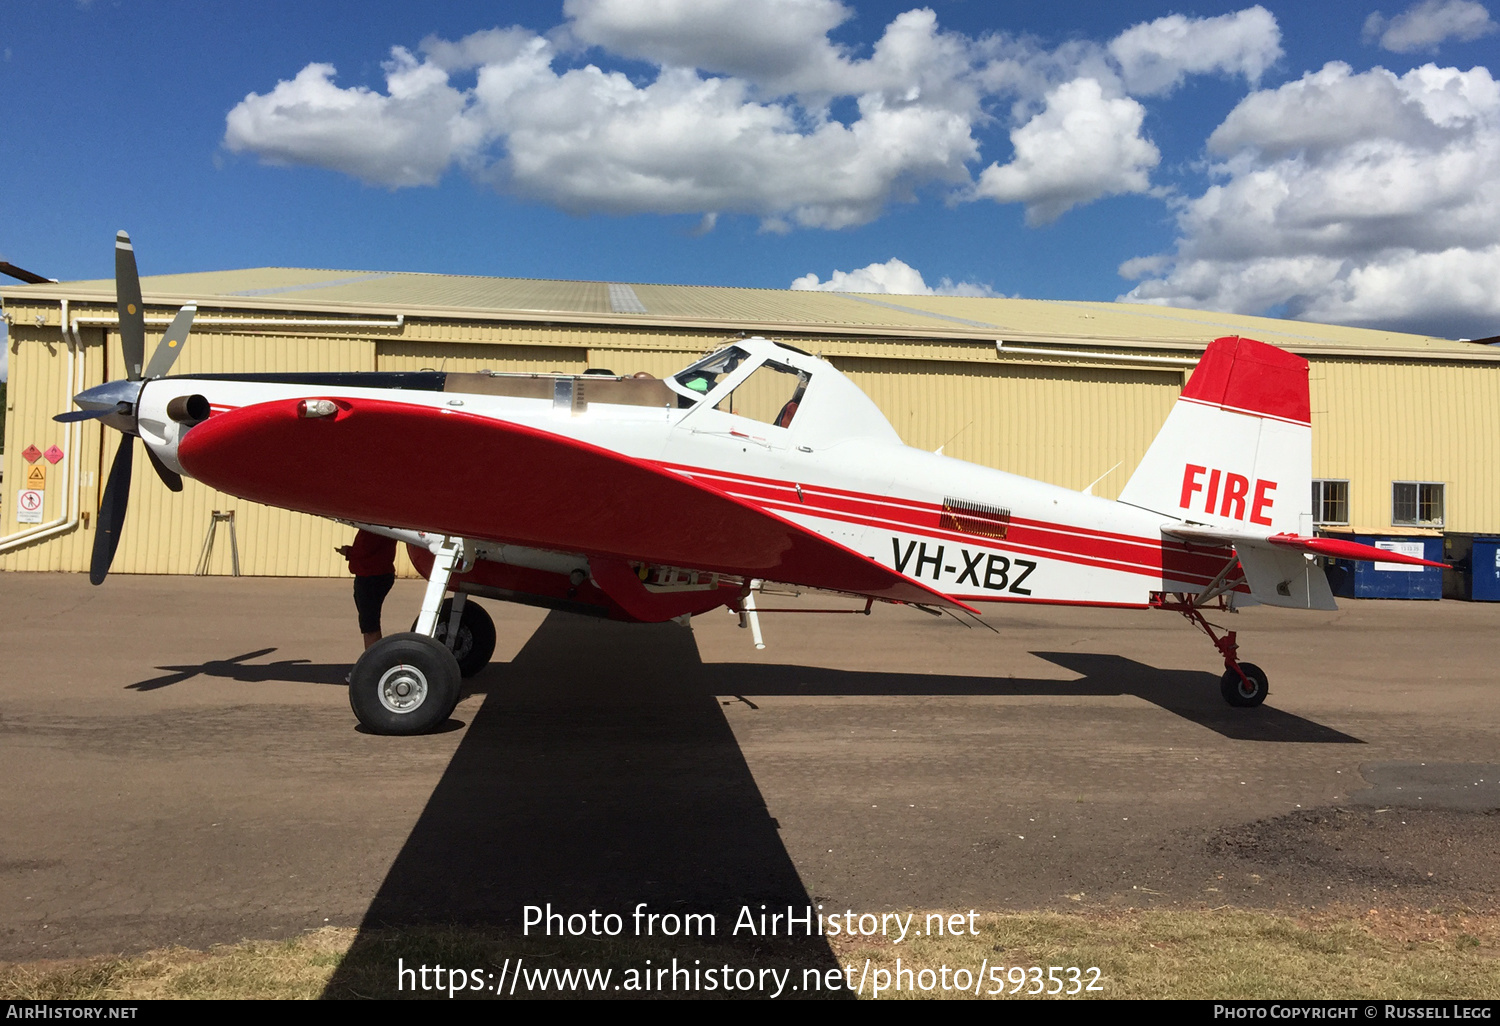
point(1330, 502)
point(1417, 503)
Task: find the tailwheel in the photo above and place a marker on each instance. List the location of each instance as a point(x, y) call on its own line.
point(404, 684)
point(1247, 691)
point(1243, 684)
point(474, 643)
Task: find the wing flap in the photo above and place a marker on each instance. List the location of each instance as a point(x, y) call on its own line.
point(460, 473)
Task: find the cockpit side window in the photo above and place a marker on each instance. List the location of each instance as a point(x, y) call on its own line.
point(770, 395)
point(704, 376)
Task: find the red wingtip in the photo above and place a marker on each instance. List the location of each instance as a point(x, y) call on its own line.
point(1246, 376)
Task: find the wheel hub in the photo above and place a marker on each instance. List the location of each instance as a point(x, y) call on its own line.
point(402, 688)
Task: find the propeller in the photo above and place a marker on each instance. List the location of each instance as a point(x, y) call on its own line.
point(115, 403)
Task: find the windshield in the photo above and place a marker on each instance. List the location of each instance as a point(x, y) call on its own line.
point(704, 376)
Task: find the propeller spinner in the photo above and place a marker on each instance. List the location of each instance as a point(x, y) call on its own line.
point(115, 402)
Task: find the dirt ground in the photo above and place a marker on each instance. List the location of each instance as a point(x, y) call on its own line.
point(183, 767)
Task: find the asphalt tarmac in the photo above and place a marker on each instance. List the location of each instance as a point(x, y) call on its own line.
point(182, 766)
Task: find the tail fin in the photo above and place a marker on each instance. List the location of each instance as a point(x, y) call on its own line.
point(1236, 450)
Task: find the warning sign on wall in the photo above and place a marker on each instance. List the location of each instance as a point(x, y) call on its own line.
point(29, 507)
point(36, 475)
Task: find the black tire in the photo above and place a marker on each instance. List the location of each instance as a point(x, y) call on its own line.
point(476, 636)
point(404, 684)
point(1235, 691)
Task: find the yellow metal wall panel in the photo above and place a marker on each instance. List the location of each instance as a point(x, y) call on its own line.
point(1380, 421)
point(38, 389)
point(659, 363)
point(471, 357)
point(1066, 426)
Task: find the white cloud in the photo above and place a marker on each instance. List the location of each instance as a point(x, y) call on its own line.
point(1423, 27)
point(1155, 57)
point(402, 137)
point(587, 140)
point(737, 118)
point(1361, 198)
point(1082, 145)
point(894, 277)
point(780, 43)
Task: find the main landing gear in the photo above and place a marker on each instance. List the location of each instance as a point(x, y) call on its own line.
point(409, 683)
point(1243, 685)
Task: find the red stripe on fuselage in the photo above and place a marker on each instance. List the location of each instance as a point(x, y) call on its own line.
point(1105, 550)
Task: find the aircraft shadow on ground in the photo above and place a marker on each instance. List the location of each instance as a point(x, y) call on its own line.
point(602, 774)
point(1191, 694)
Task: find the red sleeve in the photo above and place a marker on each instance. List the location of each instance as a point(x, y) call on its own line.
point(372, 555)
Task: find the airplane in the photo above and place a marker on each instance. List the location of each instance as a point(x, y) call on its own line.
point(647, 500)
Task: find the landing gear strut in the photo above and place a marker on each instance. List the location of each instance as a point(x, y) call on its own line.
point(473, 633)
point(1243, 685)
point(409, 683)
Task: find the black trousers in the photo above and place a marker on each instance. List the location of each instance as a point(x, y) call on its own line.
point(369, 596)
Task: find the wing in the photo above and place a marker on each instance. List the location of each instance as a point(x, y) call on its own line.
point(463, 474)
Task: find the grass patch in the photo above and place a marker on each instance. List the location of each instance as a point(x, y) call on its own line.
point(1221, 954)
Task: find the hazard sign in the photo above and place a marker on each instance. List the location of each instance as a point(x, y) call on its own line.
point(36, 476)
point(29, 507)
point(53, 454)
point(31, 454)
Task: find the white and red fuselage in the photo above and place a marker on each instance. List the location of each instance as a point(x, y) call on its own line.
point(553, 477)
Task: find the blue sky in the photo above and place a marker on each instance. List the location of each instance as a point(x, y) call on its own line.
point(1334, 161)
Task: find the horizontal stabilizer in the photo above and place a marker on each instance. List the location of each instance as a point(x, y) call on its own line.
point(1278, 568)
point(1277, 574)
point(1334, 548)
point(1337, 548)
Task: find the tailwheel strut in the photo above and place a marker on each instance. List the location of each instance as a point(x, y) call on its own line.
point(1243, 685)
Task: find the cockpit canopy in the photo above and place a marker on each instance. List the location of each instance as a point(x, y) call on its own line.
point(777, 385)
point(770, 392)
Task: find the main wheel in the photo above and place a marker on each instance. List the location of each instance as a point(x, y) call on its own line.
point(476, 636)
point(1242, 694)
point(404, 684)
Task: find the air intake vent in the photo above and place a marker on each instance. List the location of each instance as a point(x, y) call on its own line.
point(974, 518)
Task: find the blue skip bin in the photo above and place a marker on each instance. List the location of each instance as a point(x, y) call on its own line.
point(1484, 566)
point(1352, 579)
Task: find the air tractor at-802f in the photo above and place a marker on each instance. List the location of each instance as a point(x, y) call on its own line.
point(649, 499)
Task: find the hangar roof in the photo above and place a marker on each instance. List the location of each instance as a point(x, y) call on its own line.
point(467, 297)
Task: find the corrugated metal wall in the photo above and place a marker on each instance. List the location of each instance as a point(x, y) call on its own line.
point(39, 389)
point(1379, 421)
point(1063, 425)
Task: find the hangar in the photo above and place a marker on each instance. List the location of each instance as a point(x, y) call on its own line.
point(1406, 428)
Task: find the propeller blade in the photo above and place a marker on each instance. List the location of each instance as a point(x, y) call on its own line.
point(112, 512)
point(128, 301)
point(170, 346)
point(72, 415)
point(170, 478)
